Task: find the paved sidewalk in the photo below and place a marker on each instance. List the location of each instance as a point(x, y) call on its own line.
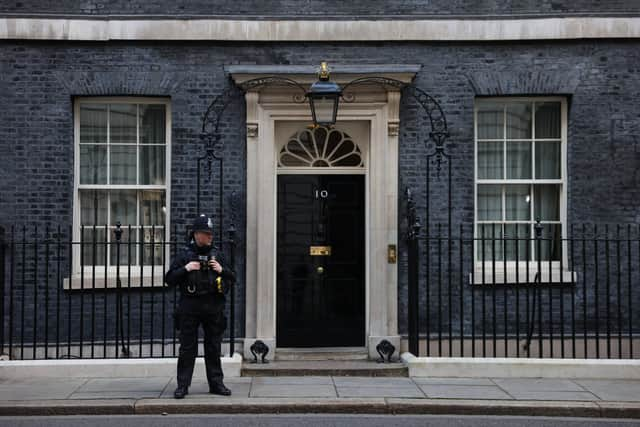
point(514, 396)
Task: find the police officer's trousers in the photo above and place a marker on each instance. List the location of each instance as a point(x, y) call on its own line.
point(202, 310)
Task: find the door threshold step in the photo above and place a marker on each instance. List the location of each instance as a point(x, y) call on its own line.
point(337, 368)
point(321, 353)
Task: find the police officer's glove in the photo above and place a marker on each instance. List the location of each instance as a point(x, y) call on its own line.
point(193, 265)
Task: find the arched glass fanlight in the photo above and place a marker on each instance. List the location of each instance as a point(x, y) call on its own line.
point(320, 147)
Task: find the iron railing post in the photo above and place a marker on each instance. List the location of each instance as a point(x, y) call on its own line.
point(119, 332)
point(2, 285)
point(413, 231)
point(413, 296)
point(232, 292)
point(538, 236)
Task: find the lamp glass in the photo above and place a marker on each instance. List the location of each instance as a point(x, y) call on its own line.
point(324, 109)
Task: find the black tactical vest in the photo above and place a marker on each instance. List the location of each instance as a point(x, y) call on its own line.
point(203, 281)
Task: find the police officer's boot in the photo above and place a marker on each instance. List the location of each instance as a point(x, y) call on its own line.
point(219, 388)
point(181, 392)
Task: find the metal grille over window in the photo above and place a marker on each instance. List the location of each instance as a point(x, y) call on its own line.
point(320, 147)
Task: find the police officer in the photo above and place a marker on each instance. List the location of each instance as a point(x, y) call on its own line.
point(203, 281)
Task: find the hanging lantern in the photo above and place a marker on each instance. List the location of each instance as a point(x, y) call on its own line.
point(324, 96)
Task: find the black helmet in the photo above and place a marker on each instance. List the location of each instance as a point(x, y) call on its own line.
point(203, 223)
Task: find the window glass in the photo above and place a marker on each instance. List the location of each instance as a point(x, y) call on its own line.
point(122, 145)
point(519, 177)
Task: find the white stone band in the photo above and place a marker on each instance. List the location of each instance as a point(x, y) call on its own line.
point(318, 30)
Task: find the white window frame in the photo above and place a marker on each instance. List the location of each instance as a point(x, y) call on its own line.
point(106, 277)
point(512, 272)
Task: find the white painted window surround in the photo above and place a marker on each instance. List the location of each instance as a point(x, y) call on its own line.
point(520, 177)
point(121, 174)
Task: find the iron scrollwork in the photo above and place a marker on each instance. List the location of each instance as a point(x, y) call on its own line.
point(275, 80)
point(212, 117)
point(210, 133)
point(439, 132)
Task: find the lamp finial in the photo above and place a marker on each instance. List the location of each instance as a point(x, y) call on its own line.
point(324, 72)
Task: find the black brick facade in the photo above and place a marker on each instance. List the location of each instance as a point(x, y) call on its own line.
point(39, 81)
point(320, 8)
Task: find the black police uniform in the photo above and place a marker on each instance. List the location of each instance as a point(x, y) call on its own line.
point(201, 303)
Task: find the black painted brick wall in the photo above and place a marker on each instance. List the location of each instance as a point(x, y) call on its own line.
point(39, 81)
point(319, 8)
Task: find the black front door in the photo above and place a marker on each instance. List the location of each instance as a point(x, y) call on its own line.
point(320, 261)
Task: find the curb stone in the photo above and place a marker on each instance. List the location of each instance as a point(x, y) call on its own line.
point(263, 405)
point(68, 407)
point(619, 409)
point(404, 406)
point(493, 407)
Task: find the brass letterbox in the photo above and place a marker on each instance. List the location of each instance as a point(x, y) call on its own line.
point(320, 250)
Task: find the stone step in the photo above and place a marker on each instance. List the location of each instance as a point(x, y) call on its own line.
point(324, 353)
point(360, 368)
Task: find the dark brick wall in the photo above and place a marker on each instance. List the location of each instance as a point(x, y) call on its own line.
point(320, 8)
point(39, 81)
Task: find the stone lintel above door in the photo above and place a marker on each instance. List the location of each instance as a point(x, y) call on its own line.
point(340, 73)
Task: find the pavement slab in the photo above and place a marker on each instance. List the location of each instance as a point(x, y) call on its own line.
point(412, 391)
point(554, 395)
point(373, 382)
point(325, 394)
point(449, 391)
point(453, 381)
point(39, 389)
point(536, 384)
point(123, 384)
point(613, 390)
point(293, 390)
point(376, 387)
point(102, 395)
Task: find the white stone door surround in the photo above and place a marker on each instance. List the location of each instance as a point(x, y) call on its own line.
point(378, 107)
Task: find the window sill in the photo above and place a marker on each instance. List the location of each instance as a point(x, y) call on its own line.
point(100, 282)
point(520, 276)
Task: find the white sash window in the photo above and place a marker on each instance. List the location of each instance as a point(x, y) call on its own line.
point(121, 175)
point(520, 173)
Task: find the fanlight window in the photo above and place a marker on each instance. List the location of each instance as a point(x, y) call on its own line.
point(320, 147)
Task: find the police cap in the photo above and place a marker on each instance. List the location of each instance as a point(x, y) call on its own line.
point(203, 223)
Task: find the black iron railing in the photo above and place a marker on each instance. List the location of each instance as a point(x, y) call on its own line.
point(488, 291)
point(93, 297)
